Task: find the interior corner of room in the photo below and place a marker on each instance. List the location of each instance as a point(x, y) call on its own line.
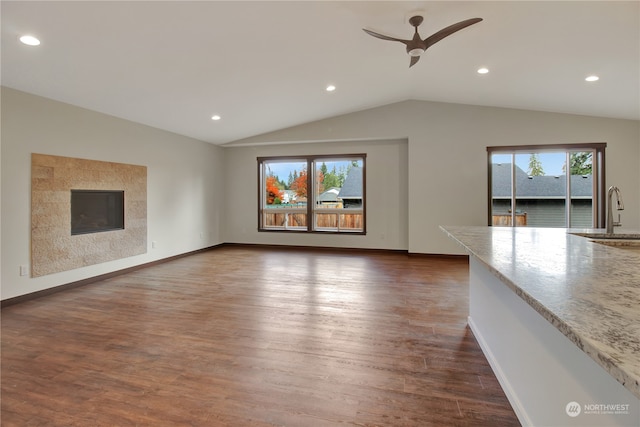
point(425, 146)
point(201, 195)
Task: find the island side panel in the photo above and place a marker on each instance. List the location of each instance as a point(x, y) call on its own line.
point(540, 370)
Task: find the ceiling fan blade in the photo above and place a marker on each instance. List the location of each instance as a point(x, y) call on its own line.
point(383, 37)
point(445, 32)
point(414, 59)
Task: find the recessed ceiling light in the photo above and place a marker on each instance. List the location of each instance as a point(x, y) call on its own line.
point(30, 40)
point(215, 117)
point(592, 78)
point(483, 70)
point(330, 88)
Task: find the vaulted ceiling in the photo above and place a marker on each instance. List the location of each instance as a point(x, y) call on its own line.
point(263, 66)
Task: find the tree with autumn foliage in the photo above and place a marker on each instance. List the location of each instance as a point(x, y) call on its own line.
point(274, 195)
point(320, 182)
point(299, 184)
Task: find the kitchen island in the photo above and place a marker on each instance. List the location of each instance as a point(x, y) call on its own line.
point(558, 318)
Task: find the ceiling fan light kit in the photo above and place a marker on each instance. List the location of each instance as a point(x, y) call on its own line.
point(416, 46)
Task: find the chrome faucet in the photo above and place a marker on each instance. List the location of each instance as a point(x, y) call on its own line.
point(620, 207)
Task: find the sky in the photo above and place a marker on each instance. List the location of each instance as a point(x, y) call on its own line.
point(551, 162)
point(282, 169)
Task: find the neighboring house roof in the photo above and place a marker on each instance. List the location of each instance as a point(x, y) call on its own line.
point(537, 187)
point(352, 187)
point(331, 195)
point(291, 194)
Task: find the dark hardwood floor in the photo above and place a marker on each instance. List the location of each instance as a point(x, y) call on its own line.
point(244, 336)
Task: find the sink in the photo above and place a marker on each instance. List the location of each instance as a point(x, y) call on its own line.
point(620, 243)
point(605, 236)
point(622, 240)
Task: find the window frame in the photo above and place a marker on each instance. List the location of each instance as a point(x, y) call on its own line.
point(599, 181)
point(311, 209)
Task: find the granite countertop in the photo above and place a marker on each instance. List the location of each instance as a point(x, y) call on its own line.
point(589, 291)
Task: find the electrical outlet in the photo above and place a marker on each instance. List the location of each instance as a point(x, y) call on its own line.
point(24, 270)
point(153, 244)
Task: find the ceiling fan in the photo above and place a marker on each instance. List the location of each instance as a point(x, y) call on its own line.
point(416, 46)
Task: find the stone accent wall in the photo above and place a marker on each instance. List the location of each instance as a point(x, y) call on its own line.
point(53, 248)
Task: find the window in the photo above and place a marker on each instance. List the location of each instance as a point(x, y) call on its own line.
point(547, 185)
point(312, 194)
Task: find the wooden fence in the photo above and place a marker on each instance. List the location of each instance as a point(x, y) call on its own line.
point(505, 220)
point(324, 220)
point(285, 219)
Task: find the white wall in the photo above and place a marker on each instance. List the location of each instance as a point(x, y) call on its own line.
point(185, 182)
point(447, 158)
point(426, 167)
point(386, 201)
